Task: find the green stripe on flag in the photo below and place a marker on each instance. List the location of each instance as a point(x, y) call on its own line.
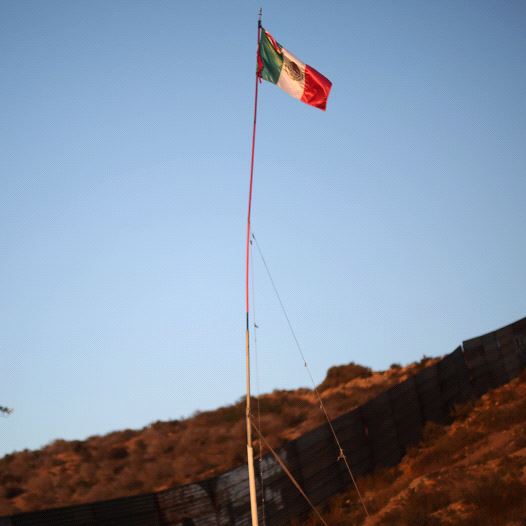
point(272, 60)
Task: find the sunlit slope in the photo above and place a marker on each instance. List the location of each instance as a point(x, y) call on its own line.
point(165, 454)
point(469, 473)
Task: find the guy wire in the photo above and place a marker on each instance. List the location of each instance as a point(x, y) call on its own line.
point(341, 455)
point(287, 472)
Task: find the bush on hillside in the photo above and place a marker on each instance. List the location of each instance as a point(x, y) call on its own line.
point(341, 374)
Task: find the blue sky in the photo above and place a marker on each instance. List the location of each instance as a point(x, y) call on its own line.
point(393, 224)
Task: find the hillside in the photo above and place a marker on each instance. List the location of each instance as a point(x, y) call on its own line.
point(470, 473)
point(165, 454)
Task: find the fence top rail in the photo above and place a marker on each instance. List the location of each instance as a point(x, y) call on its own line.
point(477, 340)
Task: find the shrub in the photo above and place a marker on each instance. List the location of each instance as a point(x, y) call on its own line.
point(341, 374)
point(224, 415)
point(496, 498)
point(134, 485)
point(432, 431)
point(446, 447)
point(502, 416)
point(461, 411)
point(58, 446)
point(127, 434)
point(13, 491)
point(140, 445)
point(520, 441)
point(416, 508)
point(118, 453)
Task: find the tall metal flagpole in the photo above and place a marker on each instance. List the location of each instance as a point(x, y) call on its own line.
point(250, 451)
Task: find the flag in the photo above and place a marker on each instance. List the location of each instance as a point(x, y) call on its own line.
point(281, 67)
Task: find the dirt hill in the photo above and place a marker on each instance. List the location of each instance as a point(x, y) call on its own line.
point(470, 473)
point(165, 454)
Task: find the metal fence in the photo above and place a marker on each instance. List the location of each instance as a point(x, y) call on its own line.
point(374, 435)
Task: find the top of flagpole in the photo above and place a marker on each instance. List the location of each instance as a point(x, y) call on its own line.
point(260, 16)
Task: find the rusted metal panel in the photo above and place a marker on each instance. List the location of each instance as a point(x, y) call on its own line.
point(427, 385)
point(350, 428)
point(140, 510)
point(184, 502)
point(70, 516)
point(454, 380)
point(407, 414)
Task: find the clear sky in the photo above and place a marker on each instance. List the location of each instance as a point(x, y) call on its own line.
point(393, 224)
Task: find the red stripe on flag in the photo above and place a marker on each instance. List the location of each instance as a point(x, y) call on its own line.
point(317, 88)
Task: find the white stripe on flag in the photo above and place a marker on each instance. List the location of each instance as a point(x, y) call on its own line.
point(292, 77)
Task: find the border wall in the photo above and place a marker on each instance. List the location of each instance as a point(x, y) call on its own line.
point(373, 435)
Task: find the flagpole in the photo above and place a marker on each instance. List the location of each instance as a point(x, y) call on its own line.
point(250, 451)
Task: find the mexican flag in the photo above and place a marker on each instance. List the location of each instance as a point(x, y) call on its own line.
point(281, 67)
